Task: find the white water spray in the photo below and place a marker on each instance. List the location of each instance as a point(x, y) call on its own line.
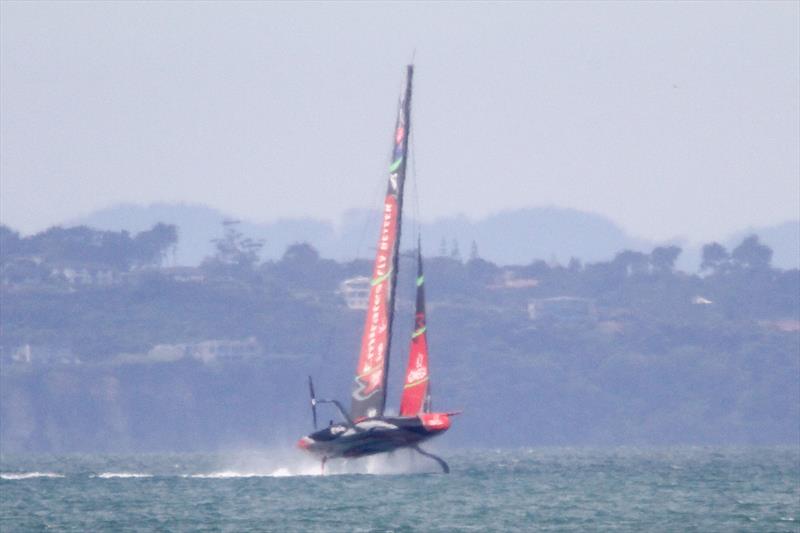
point(287, 463)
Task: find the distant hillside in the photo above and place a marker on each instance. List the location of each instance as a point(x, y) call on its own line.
point(98, 355)
point(508, 237)
point(783, 239)
point(198, 225)
point(519, 236)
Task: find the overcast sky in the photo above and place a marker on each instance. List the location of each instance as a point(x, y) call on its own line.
point(673, 119)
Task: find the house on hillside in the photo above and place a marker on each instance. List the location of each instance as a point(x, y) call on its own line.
point(227, 350)
point(85, 274)
point(208, 351)
point(509, 279)
point(40, 355)
point(563, 308)
point(355, 292)
point(36, 272)
point(23, 272)
point(183, 274)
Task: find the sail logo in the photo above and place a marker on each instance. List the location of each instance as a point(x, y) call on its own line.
point(419, 372)
point(373, 325)
point(388, 218)
point(397, 153)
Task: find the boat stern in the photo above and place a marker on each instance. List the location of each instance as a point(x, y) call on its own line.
point(435, 423)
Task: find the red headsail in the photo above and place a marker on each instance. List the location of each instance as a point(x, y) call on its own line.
point(416, 388)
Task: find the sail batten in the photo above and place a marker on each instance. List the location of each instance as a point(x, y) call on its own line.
point(369, 390)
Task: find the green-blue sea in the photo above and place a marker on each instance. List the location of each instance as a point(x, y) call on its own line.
point(537, 489)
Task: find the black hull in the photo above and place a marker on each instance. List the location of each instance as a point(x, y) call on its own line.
point(369, 437)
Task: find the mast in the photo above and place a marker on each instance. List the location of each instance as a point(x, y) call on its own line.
point(369, 390)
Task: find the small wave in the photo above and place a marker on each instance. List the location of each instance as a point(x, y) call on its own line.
point(28, 475)
point(226, 474)
point(233, 474)
point(111, 475)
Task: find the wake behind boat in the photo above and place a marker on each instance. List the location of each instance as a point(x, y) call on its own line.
point(365, 430)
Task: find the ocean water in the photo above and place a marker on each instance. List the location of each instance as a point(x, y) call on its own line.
point(539, 489)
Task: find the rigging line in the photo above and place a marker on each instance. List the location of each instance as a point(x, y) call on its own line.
point(417, 223)
point(414, 182)
point(372, 212)
point(378, 197)
point(368, 220)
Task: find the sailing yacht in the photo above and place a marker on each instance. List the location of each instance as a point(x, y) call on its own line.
point(365, 429)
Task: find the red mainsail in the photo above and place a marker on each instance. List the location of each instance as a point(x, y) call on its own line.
point(369, 391)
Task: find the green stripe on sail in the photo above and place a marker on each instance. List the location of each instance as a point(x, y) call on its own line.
point(394, 166)
point(419, 332)
point(380, 279)
point(420, 280)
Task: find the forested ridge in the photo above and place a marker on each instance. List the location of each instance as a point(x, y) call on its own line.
point(103, 347)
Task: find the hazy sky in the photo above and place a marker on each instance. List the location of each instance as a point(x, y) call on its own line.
point(673, 119)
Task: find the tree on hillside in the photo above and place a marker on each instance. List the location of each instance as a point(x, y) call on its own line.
point(301, 267)
point(236, 255)
point(300, 253)
point(444, 276)
point(473, 251)
point(455, 253)
point(82, 245)
point(481, 272)
point(630, 262)
point(151, 246)
point(663, 258)
point(10, 242)
point(715, 257)
point(752, 255)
